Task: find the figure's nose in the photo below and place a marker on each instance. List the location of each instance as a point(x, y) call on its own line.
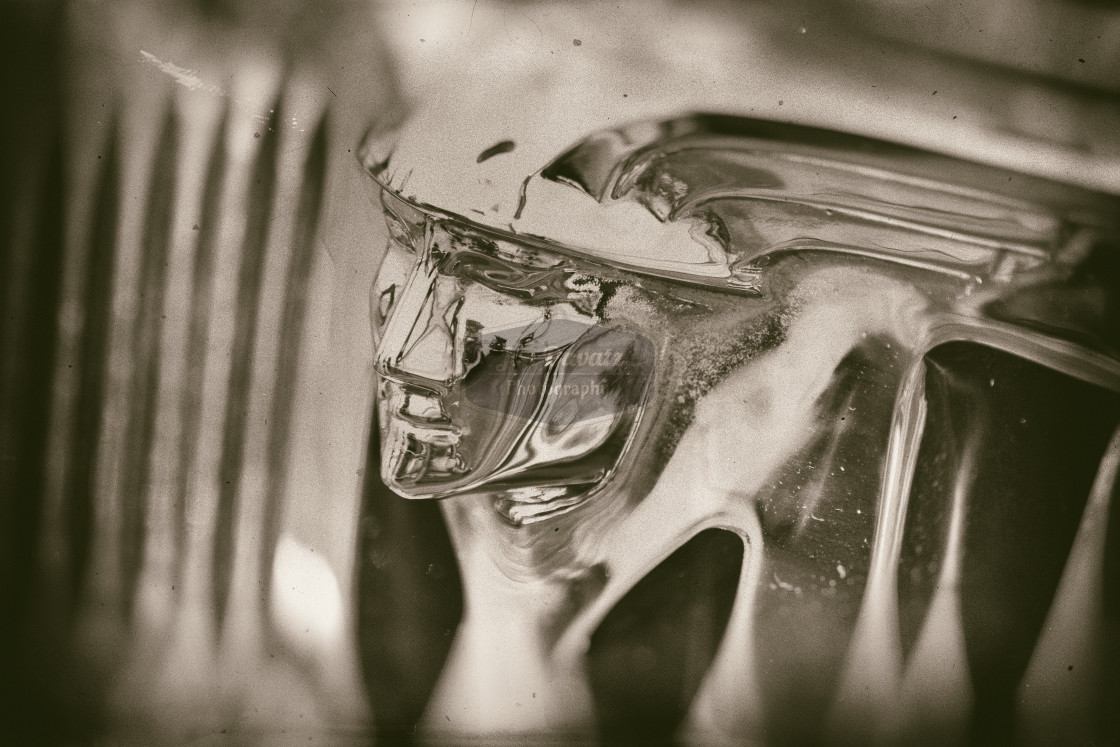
point(417, 342)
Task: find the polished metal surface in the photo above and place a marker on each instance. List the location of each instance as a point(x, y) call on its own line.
point(860, 395)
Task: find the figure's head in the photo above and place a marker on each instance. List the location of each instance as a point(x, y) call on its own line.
point(706, 273)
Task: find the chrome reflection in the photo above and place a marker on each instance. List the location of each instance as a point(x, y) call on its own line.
point(812, 342)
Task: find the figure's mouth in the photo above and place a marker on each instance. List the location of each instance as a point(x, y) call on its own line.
point(419, 441)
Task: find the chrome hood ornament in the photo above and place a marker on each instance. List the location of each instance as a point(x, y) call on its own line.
point(889, 378)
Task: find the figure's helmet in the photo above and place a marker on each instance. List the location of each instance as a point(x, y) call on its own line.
point(853, 405)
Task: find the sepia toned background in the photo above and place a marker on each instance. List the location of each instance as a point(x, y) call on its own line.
point(194, 544)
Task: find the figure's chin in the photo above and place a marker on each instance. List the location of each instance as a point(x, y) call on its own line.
point(530, 505)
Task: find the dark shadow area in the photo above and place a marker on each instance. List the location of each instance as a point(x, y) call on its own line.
point(1083, 308)
point(410, 602)
point(1035, 439)
point(32, 238)
point(1109, 718)
point(651, 652)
